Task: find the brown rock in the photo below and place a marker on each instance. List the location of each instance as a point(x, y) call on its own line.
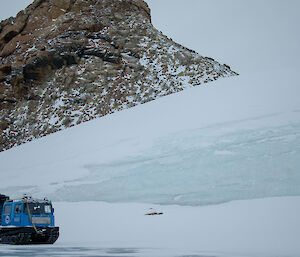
point(5, 70)
point(62, 4)
point(64, 62)
point(144, 6)
point(12, 30)
point(3, 125)
point(8, 49)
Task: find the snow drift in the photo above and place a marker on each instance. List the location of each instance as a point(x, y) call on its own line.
point(234, 139)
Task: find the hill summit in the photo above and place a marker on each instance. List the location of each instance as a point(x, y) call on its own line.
point(64, 62)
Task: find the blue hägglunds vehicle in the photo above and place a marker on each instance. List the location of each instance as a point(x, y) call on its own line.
point(27, 221)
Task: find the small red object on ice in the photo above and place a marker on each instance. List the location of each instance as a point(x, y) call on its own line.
point(155, 213)
point(151, 211)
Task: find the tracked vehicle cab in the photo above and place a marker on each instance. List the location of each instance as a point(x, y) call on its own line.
point(15, 213)
point(27, 221)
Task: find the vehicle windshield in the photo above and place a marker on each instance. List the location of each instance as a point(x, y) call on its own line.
point(38, 208)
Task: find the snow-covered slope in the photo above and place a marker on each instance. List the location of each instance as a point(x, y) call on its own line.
point(234, 139)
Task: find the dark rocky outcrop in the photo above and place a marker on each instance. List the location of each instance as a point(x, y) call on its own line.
point(63, 62)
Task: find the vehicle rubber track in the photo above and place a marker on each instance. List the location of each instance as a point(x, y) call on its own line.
point(27, 235)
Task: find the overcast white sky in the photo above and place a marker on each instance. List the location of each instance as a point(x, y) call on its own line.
point(12, 7)
point(247, 35)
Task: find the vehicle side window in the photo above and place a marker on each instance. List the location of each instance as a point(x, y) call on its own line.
point(18, 209)
point(7, 210)
point(48, 209)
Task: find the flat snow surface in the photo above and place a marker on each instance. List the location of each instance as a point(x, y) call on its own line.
point(252, 227)
point(234, 139)
point(260, 228)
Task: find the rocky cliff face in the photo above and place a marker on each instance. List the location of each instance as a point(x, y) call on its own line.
point(63, 62)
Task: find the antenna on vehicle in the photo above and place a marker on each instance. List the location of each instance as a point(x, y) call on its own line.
point(26, 197)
